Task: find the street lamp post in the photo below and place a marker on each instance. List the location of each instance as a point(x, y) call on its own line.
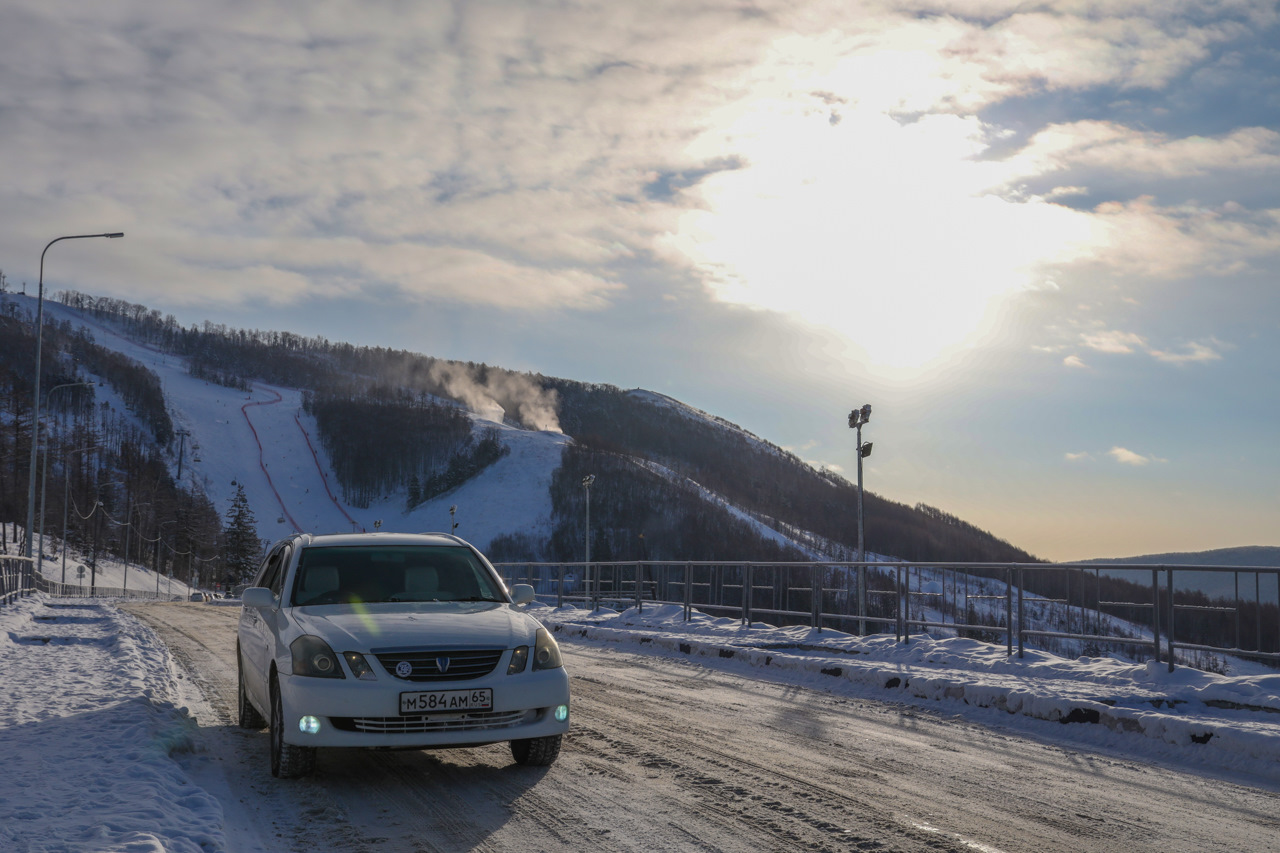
point(857, 418)
point(44, 479)
point(586, 484)
point(35, 401)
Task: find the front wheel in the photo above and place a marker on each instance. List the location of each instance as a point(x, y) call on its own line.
point(537, 751)
point(287, 761)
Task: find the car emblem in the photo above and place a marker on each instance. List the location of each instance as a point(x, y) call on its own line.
point(442, 664)
point(404, 669)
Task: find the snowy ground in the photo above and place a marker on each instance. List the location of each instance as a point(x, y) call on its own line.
point(97, 722)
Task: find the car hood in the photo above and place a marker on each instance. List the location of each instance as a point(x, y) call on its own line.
point(436, 624)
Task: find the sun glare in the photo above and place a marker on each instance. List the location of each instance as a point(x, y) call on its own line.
point(895, 233)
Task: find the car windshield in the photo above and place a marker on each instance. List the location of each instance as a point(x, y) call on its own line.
point(372, 574)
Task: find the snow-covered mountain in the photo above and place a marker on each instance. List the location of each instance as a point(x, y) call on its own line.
point(261, 440)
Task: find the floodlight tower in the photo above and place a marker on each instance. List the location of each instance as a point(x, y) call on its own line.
point(857, 418)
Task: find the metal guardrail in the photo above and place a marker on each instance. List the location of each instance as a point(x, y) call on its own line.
point(838, 595)
point(18, 579)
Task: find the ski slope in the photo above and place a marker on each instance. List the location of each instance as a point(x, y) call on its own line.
point(264, 442)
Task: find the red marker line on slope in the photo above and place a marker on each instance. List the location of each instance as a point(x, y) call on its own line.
point(324, 479)
point(262, 463)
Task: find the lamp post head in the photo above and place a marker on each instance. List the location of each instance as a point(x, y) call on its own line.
point(588, 480)
point(858, 417)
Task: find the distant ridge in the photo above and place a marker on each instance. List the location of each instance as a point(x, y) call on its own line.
point(1245, 555)
point(1215, 584)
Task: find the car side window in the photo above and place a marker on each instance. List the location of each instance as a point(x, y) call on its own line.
point(272, 575)
point(277, 582)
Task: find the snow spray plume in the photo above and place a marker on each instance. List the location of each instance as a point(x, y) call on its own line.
point(500, 394)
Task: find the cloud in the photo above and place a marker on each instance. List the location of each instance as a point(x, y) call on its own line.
point(1128, 457)
point(1120, 343)
point(1193, 352)
point(1095, 146)
point(1079, 457)
point(1073, 361)
point(506, 156)
point(1114, 342)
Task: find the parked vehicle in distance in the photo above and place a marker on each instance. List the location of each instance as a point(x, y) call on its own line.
point(394, 640)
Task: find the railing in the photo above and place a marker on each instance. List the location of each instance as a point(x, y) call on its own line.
point(67, 590)
point(18, 578)
point(986, 601)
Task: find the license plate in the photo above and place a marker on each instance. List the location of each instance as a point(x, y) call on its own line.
point(446, 701)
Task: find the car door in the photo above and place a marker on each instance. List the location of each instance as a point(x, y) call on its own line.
point(257, 640)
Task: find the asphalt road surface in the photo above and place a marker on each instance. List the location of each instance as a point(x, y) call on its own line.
point(670, 755)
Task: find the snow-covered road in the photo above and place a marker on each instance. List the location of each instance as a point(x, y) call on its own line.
point(670, 754)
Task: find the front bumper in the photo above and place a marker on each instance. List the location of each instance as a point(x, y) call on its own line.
point(356, 713)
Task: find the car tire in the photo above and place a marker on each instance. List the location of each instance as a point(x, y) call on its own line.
point(537, 751)
point(287, 761)
point(249, 716)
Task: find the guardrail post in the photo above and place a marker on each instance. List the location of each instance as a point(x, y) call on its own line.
point(862, 600)
point(688, 592)
point(1169, 574)
point(1021, 640)
point(748, 589)
point(1257, 601)
point(897, 603)
point(906, 605)
point(815, 597)
point(1008, 610)
point(560, 586)
point(1155, 612)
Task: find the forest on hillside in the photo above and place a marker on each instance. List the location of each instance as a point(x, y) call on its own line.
point(412, 404)
point(102, 473)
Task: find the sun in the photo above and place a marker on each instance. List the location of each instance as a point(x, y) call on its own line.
point(898, 234)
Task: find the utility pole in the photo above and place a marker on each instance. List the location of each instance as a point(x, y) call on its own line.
point(586, 570)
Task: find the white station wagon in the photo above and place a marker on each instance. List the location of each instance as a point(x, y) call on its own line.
point(395, 641)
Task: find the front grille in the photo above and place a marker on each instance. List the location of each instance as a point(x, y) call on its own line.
point(439, 723)
point(440, 664)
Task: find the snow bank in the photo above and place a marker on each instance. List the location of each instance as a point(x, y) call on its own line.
point(87, 732)
point(1235, 721)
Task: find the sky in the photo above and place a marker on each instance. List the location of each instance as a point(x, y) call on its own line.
point(1041, 239)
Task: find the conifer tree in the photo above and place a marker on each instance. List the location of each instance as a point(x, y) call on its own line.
point(243, 546)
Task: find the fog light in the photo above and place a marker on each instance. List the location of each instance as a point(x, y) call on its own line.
point(562, 713)
point(311, 725)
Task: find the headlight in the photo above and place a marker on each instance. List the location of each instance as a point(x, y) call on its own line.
point(519, 658)
point(546, 654)
point(312, 656)
point(359, 666)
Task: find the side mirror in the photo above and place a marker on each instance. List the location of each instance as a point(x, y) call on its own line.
point(258, 597)
point(522, 593)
